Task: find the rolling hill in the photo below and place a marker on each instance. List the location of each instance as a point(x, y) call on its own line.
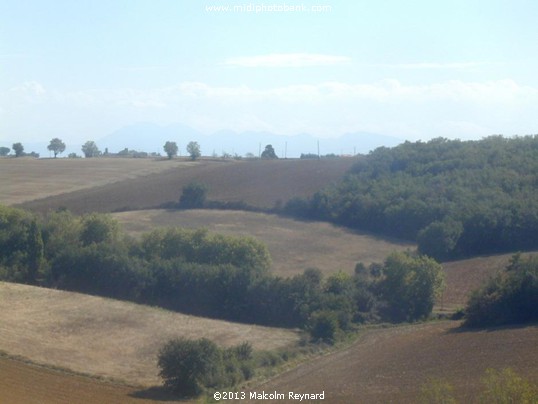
point(294, 245)
point(109, 338)
point(390, 365)
point(258, 183)
point(26, 179)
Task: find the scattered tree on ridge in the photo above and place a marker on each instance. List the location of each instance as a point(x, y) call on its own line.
point(90, 149)
point(4, 151)
point(269, 152)
point(18, 148)
point(170, 149)
point(193, 148)
point(56, 146)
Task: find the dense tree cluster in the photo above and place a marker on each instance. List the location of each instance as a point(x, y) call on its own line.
point(197, 272)
point(509, 297)
point(456, 198)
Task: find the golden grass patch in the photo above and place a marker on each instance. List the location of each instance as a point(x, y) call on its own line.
point(294, 245)
point(106, 337)
point(26, 179)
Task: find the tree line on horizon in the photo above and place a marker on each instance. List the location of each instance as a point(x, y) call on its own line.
point(171, 149)
point(90, 150)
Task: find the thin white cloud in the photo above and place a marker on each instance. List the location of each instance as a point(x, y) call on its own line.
point(136, 69)
point(385, 91)
point(457, 65)
point(29, 88)
point(287, 60)
point(450, 108)
point(431, 65)
point(18, 55)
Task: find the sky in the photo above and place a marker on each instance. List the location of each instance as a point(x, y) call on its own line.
point(415, 70)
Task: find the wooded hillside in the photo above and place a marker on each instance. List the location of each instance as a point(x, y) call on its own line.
point(456, 198)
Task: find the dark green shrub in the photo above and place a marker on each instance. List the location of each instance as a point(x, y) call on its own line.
point(509, 297)
point(193, 196)
point(324, 326)
point(188, 366)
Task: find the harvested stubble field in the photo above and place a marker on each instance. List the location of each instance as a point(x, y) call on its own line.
point(259, 183)
point(109, 338)
point(294, 245)
point(25, 179)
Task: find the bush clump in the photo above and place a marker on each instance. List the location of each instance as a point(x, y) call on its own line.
point(508, 298)
point(189, 367)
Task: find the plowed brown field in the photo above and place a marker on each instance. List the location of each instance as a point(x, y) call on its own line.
point(390, 365)
point(259, 183)
point(23, 383)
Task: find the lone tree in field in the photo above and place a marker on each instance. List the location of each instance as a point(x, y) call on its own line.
point(4, 151)
point(193, 148)
point(170, 149)
point(18, 148)
point(193, 196)
point(269, 152)
point(56, 146)
point(90, 149)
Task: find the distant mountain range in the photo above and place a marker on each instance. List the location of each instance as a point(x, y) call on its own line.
point(151, 137)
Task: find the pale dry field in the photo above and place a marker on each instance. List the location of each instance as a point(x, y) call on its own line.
point(109, 338)
point(294, 245)
point(25, 179)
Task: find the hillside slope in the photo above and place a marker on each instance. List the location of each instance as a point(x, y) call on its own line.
point(25, 179)
point(294, 245)
point(258, 183)
point(24, 383)
point(390, 365)
point(105, 337)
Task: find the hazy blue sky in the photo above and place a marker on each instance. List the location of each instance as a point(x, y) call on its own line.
point(412, 69)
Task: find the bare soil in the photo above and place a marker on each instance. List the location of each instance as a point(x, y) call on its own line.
point(294, 245)
point(391, 365)
point(24, 383)
point(465, 276)
point(259, 183)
